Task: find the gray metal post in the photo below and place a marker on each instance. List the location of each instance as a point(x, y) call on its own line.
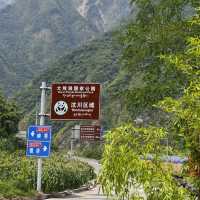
point(36, 114)
point(42, 122)
point(71, 151)
point(72, 143)
point(167, 147)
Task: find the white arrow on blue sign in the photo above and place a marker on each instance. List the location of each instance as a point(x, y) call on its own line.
point(39, 133)
point(38, 141)
point(38, 149)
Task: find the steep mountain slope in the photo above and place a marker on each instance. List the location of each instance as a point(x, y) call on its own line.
point(103, 14)
point(33, 32)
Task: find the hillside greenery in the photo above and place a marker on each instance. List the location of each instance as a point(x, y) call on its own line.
point(97, 61)
point(123, 169)
point(34, 33)
point(129, 174)
point(149, 70)
point(185, 109)
point(9, 118)
point(159, 28)
point(127, 64)
point(18, 174)
point(93, 150)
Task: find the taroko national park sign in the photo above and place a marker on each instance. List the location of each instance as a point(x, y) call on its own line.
point(75, 101)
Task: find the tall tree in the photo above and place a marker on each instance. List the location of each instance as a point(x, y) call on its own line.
point(186, 109)
point(160, 28)
point(124, 170)
point(9, 118)
point(127, 171)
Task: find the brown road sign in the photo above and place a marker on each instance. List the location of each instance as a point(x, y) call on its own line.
point(75, 101)
point(90, 132)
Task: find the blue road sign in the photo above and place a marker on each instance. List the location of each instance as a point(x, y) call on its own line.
point(39, 133)
point(102, 131)
point(38, 148)
point(38, 141)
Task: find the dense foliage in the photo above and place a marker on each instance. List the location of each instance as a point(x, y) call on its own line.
point(186, 110)
point(34, 32)
point(160, 28)
point(98, 62)
point(142, 79)
point(124, 169)
point(59, 173)
point(92, 150)
point(9, 118)
point(159, 62)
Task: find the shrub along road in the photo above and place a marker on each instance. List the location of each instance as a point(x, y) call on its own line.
point(93, 194)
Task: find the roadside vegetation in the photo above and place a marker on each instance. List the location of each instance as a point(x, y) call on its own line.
point(93, 150)
point(18, 174)
point(150, 73)
point(170, 60)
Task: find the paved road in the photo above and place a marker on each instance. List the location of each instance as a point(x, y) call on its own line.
point(94, 163)
point(90, 195)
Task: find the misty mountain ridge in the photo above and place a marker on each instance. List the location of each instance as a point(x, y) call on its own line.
point(35, 32)
point(103, 14)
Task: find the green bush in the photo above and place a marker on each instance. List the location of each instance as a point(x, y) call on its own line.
point(59, 173)
point(11, 144)
point(92, 150)
point(8, 189)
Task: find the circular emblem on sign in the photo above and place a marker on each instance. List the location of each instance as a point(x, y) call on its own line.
point(61, 107)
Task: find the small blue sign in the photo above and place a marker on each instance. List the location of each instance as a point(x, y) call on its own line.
point(102, 131)
point(39, 133)
point(38, 149)
point(38, 141)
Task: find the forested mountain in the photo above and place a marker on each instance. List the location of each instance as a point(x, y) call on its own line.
point(103, 14)
point(33, 32)
point(150, 98)
point(134, 77)
point(97, 61)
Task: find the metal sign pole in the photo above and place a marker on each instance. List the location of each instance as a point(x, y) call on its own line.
point(42, 122)
point(71, 151)
point(72, 143)
point(36, 114)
